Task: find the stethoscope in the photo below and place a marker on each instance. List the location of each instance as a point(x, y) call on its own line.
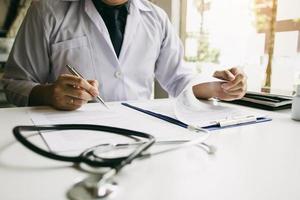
point(102, 186)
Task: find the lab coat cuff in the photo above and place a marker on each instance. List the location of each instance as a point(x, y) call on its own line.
point(198, 79)
point(18, 93)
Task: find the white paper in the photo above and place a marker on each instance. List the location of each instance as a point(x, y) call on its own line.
point(117, 116)
point(72, 140)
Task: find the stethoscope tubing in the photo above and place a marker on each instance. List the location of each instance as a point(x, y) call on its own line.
point(83, 158)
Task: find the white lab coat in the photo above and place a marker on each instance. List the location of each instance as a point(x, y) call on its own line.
point(59, 32)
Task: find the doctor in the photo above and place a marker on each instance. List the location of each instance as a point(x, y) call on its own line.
point(120, 46)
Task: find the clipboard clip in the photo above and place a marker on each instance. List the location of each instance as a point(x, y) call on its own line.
point(236, 120)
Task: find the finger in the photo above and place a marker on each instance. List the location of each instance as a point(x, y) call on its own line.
point(77, 93)
point(240, 85)
point(74, 101)
point(235, 71)
point(94, 83)
point(78, 82)
point(229, 85)
point(65, 103)
point(224, 75)
point(222, 95)
point(237, 92)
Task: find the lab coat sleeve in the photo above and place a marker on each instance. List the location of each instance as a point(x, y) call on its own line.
point(28, 63)
point(170, 71)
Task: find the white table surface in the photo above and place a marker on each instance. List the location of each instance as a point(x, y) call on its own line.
point(260, 162)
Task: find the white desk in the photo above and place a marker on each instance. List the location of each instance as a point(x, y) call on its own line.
point(260, 162)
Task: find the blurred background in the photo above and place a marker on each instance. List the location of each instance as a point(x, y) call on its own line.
point(260, 36)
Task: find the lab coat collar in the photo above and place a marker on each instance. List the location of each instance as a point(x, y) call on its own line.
point(141, 4)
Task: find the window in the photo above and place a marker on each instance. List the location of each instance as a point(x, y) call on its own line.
point(246, 33)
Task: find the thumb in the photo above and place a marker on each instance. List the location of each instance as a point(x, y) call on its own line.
point(224, 75)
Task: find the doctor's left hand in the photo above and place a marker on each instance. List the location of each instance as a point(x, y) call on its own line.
point(234, 86)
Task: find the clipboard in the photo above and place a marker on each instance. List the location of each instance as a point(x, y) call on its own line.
point(216, 126)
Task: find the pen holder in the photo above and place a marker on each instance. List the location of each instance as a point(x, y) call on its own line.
point(296, 104)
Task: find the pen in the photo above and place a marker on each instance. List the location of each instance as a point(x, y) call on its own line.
point(76, 73)
point(237, 121)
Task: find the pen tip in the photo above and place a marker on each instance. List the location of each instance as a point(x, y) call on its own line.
point(106, 106)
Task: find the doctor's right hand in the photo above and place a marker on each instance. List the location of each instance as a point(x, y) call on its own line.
point(68, 92)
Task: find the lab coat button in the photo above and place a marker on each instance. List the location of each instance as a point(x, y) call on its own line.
point(118, 74)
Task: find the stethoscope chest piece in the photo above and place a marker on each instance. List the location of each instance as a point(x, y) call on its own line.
point(86, 190)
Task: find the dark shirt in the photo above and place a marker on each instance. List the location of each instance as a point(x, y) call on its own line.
point(115, 18)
